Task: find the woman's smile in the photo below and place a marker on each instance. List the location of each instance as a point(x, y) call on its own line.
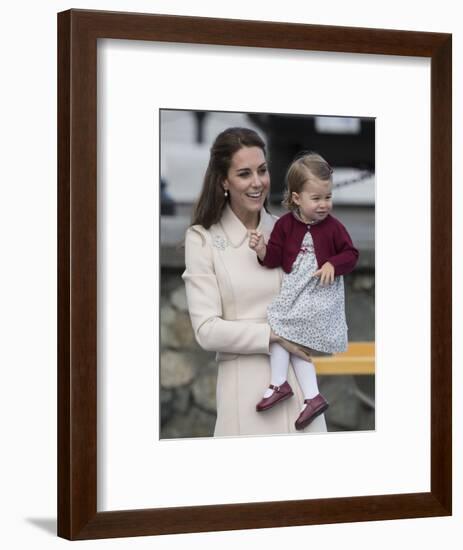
point(254, 194)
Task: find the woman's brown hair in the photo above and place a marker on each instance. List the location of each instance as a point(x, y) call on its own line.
point(212, 200)
point(306, 166)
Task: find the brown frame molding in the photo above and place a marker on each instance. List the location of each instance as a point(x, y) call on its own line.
point(78, 32)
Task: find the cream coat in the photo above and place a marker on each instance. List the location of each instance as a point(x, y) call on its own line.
point(228, 293)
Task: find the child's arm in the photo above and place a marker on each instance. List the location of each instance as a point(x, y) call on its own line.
point(346, 255)
point(272, 256)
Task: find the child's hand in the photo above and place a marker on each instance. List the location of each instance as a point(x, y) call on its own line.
point(326, 274)
point(257, 243)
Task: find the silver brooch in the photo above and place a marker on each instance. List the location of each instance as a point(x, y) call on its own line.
point(220, 242)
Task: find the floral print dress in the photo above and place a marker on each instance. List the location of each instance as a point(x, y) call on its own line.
point(307, 313)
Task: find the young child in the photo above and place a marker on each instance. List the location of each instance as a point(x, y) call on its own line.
point(315, 251)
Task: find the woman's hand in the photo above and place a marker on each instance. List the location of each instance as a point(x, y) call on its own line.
point(257, 243)
point(291, 347)
point(326, 274)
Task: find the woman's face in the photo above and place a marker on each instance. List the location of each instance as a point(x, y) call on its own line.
point(247, 182)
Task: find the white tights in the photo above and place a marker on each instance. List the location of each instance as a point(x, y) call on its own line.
point(305, 371)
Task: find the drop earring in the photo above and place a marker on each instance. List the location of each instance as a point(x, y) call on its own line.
point(225, 193)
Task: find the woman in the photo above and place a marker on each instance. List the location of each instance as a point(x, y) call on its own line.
point(228, 291)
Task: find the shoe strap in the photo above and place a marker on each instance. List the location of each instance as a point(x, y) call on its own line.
point(276, 388)
point(309, 400)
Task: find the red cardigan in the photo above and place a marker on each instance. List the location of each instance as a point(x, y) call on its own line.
point(331, 240)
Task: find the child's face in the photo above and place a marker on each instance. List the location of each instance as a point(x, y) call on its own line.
point(314, 200)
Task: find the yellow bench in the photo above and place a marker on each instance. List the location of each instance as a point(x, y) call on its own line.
point(358, 359)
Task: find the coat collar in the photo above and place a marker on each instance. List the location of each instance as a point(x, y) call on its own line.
point(236, 232)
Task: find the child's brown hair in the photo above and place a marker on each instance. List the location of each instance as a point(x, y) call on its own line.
point(305, 167)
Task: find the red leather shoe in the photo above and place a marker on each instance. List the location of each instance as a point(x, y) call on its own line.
point(280, 393)
point(314, 408)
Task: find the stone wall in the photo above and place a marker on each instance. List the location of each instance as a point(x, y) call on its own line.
point(188, 373)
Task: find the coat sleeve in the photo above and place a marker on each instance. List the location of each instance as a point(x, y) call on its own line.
point(275, 247)
point(212, 332)
point(346, 255)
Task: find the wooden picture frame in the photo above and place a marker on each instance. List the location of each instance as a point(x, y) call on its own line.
point(78, 32)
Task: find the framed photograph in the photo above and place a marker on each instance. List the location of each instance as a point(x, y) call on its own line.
point(143, 446)
point(190, 378)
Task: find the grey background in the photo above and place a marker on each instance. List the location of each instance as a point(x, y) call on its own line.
point(187, 373)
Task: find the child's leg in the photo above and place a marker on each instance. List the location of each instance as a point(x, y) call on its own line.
point(279, 363)
point(306, 376)
point(314, 403)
